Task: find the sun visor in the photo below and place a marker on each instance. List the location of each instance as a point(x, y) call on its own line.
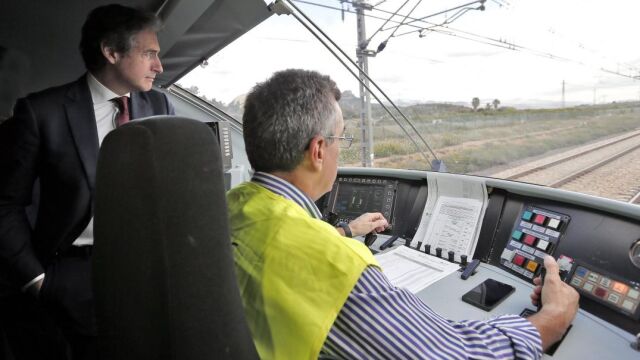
point(194, 33)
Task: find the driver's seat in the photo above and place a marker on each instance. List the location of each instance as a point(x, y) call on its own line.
point(163, 272)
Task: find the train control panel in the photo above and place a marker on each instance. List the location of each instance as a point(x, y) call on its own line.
point(595, 241)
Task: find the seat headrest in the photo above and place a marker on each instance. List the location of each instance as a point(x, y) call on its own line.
point(164, 277)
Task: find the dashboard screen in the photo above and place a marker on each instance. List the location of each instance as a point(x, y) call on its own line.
point(354, 196)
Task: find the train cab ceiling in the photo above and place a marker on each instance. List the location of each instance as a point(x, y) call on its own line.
point(46, 34)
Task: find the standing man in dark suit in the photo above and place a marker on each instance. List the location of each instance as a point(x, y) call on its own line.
point(54, 138)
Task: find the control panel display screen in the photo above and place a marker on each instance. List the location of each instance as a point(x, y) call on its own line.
point(354, 196)
point(354, 200)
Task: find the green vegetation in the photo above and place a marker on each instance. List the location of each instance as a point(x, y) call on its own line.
point(473, 141)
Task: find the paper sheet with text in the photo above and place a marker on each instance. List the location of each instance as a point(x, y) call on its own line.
point(453, 215)
point(413, 270)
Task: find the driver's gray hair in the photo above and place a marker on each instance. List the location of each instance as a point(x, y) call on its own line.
point(283, 114)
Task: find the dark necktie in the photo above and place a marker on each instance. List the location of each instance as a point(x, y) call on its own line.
point(123, 110)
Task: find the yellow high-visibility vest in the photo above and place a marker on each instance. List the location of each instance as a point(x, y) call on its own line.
point(294, 272)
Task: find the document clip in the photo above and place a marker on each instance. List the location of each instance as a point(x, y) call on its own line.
point(470, 269)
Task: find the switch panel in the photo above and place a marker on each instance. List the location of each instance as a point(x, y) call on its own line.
point(535, 234)
point(618, 294)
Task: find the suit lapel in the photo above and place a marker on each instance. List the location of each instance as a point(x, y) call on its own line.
point(139, 106)
point(82, 121)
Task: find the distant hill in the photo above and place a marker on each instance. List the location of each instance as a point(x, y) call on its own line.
point(350, 105)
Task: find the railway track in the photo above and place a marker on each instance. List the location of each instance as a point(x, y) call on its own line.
point(572, 155)
point(593, 167)
point(607, 168)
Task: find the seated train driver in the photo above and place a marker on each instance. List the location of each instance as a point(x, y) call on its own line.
point(309, 292)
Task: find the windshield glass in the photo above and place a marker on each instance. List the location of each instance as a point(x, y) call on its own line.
point(543, 91)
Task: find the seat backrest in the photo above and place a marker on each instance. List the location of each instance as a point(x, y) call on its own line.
point(163, 271)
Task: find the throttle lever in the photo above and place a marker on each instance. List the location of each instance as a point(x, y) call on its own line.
point(543, 274)
point(370, 238)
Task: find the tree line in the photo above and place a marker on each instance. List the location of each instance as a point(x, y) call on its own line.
point(475, 103)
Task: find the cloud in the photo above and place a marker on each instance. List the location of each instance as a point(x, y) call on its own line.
point(483, 53)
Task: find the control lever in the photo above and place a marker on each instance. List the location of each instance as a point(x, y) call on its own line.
point(389, 242)
point(332, 218)
point(563, 275)
point(552, 349)
point(470, 269)
point(543, 273)
point(370, 238)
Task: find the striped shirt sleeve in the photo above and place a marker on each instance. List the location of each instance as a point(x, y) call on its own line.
point(381, 321)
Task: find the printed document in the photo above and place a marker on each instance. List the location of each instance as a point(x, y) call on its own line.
point(413, 270)
point(453, 215)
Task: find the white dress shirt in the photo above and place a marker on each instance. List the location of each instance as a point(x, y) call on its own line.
point(105, 111)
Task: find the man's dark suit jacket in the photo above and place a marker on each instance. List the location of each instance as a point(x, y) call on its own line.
point(52, 137)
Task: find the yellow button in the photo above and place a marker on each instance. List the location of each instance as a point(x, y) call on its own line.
point(532, 266)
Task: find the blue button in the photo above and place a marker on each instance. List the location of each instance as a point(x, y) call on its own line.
point(527, 215)
point(581, 272)
point(517, 234)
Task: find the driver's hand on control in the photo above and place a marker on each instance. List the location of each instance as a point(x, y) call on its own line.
point(367, 223)
point(560, 304)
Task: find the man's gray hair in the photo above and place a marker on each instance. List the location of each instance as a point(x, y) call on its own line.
point(283, 114)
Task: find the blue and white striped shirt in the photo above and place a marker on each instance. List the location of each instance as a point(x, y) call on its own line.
point(287, 190)
point(381, 321)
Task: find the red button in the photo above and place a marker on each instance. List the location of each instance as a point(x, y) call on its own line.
point(529, 240)
point(600, 292)
point(518, 260)
point(539, 219)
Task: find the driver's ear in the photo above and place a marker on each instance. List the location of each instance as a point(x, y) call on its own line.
point(317, 151)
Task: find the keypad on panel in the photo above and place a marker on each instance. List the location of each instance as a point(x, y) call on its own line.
point(535, 235)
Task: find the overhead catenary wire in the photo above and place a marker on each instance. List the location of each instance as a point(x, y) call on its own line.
point(481, 39)
point(514, 47)
point(389, 19)
point(403, 20)
point(395, 119)
point(451, 32)
point(438, 13)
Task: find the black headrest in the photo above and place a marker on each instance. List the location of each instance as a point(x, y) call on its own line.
point(163, 272)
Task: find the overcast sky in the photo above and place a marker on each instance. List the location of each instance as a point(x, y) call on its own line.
point(558, 40)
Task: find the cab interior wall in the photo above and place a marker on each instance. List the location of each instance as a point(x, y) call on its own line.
point(46, 34)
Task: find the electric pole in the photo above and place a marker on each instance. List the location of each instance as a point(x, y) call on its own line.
point(365, 98)
point(563, 94)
